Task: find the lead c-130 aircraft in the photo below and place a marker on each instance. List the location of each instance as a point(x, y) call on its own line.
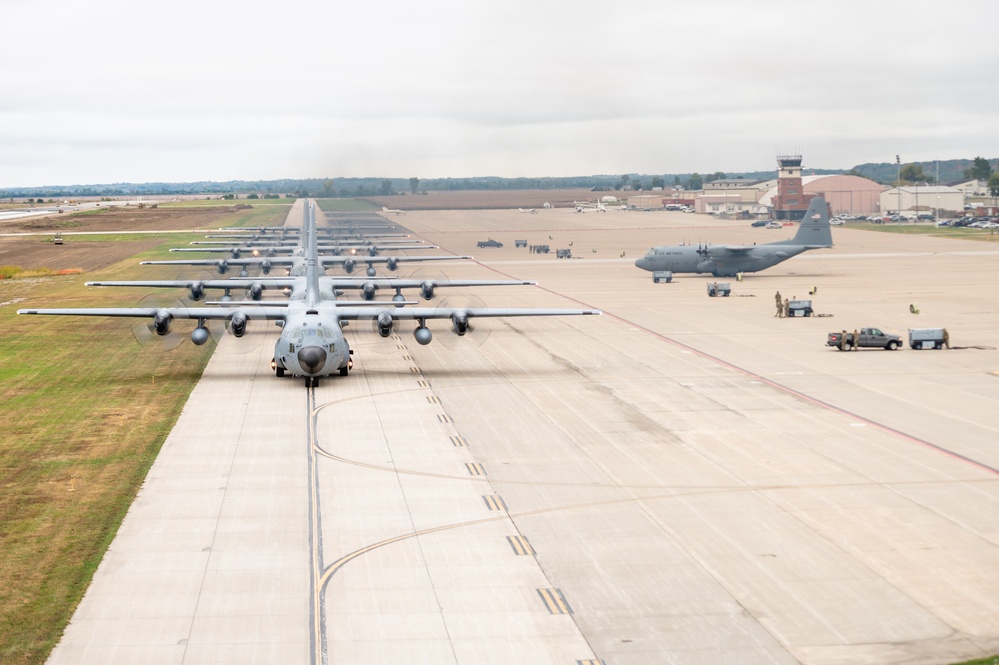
point(312, 344)
point(731, 260)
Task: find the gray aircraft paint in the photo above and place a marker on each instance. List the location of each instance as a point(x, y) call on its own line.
point(311, 344)
point(731, 260)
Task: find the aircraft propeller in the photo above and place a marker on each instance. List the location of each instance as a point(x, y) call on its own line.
point(462, 325)
point(157, 331)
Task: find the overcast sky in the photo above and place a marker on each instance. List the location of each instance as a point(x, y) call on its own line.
point(114, 91)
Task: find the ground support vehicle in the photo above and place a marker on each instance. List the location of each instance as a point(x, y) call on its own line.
point(563, 253)
point(520, 243)
point(867, 338)
point(799, 308)
point(722, 289)
point(662, 276)
point(928, 338)
point(489, 243)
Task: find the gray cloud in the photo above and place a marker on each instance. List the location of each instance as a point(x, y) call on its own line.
point(114, 91)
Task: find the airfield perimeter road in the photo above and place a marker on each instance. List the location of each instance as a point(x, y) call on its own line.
point(682, 480)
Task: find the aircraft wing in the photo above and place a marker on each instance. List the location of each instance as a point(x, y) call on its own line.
point(405, 283)
point(427, 287)
point(411, 313)
point(255, 312)
point(367, 304)
point(337, 260)
point(274, 261)
point(236, 283)
point(727, 250)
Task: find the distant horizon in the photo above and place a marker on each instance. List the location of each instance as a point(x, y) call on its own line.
point(21, 191)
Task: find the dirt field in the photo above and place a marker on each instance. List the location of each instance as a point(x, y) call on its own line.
point(37, 251)
point(487, 200)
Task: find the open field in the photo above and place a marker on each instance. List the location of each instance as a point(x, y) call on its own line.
point(964, 233)
point(93, 252)
point(479, 200)
point(84, 409)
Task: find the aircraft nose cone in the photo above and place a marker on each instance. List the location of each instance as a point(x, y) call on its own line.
point(640, 263)
point(312, 358)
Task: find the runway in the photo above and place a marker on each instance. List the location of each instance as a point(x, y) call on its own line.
point(684, 479)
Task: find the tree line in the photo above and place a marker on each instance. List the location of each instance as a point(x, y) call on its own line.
point(887, 173)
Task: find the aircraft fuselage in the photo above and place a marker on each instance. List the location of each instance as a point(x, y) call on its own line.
point(312, 345)
point(716, 261)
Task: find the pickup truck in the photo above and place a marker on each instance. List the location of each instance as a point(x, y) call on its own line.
point(490, 243)
point(868, 338)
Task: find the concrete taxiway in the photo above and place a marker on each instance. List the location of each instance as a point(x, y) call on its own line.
point(684, 479)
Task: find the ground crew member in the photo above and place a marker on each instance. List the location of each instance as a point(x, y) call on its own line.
point(842, 341)
point(856, 339)
point(946, 339)
point(780, 305)
point(787, 307)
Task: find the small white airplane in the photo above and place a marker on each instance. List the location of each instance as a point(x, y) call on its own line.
point(584, 206)
point(394, 212)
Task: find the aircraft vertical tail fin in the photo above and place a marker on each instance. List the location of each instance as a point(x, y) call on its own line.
point(814, 230)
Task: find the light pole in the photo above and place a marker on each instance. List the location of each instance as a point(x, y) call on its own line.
point(898, 185)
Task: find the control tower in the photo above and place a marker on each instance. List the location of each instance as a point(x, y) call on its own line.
point(791, 202)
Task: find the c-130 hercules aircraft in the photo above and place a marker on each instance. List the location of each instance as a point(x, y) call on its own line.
point(311, 344)
point(731, 260)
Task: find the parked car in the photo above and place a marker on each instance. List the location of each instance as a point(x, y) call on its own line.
point(774, 225)
point(760, 222)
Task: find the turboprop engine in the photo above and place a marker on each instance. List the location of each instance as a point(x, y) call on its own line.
point(256, 291)
point(427, 289)
point(197, 291)
point(237, 324)
point(384, 324)
point(459, 322)
point(161, 321)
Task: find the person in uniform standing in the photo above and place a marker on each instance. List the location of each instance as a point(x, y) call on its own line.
point(780, 305)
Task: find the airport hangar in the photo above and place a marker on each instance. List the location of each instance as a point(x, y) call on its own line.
point(684, 479)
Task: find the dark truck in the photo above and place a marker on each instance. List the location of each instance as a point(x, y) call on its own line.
point(867, 338)
point(490, 243)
